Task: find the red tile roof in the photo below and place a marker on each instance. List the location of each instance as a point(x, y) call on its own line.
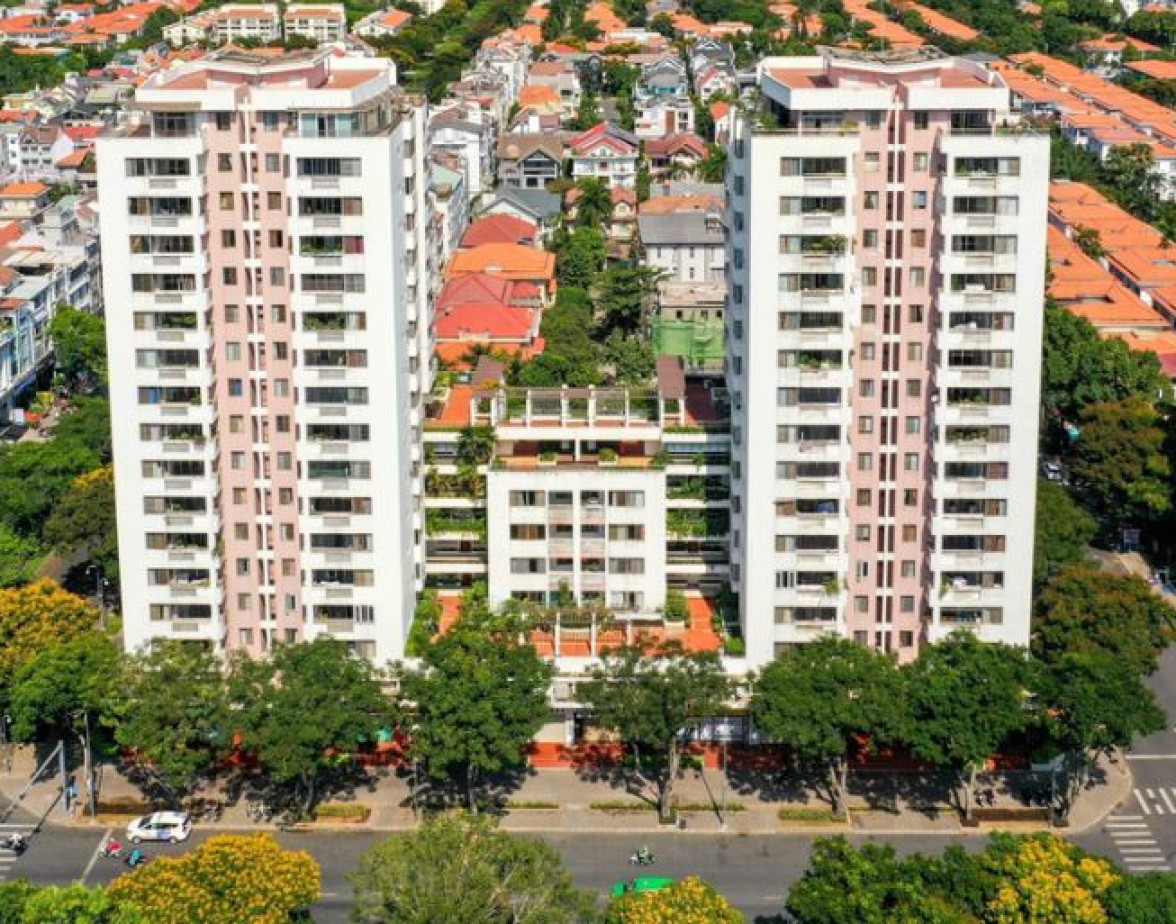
point(499, 229)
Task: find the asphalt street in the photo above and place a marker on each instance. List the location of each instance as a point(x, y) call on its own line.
point(753, 872)
point(1141, 833)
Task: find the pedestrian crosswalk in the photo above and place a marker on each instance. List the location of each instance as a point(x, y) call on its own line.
point(8, 859)
point(1158, 801)
point(1137, 848)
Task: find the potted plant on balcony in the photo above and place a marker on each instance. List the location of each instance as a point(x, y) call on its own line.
point(675, 613)
point(547, 459)
point(832, 586)
point(607, 457)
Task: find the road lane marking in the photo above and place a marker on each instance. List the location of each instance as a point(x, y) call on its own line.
point(94, 857)
point(1151, 756)
point(1142, 802)
point(1168, 801)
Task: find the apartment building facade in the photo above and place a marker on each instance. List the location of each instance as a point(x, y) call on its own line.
point(886, 265)
point(263, 228)
point(602, 498)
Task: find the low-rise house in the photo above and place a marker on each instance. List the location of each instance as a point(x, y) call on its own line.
point(529, 161)
point(688, 245)
point(319, 22)
point(607, 152)
point(559, 76)
point(537, 206)
point(665, 77)
point(382, 23)
point(514, 262)
point(656, 117)
point(466, 130)
point(480, 309)
point(451, 200)
point(675, 156)
point(715, 78)
point(40, 147)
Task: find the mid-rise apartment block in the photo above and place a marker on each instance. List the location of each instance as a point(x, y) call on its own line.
point(262, 227)
point(887, 235)
point(588, 501)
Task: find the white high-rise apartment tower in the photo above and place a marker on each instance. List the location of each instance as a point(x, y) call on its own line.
point(263, 240)
point(887, 257)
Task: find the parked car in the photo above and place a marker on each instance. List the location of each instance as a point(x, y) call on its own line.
point(172, 827)
point(640, 884)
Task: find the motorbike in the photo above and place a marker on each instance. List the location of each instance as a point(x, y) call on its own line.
point(135, 859)
point(111, 850)
point(16, 843)
point(642, 857)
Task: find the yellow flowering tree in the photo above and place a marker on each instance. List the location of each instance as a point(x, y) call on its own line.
point(34, 617)
point(1045, 880)
point(227, 880)
point(688, 901)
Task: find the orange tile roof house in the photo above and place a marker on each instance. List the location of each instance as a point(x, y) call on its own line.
point(507, 261)
point(480, 308)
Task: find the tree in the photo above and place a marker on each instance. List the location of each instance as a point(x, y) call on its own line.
point(964, 697)
point(864, 885)
point(1092, 704)
point(713, 168)
point(75, 904)
point(34, 476)
point(173, 714)
point(475, 446)
point(1142, 899)
point(1090, 241)
point(82, 524)
point(594, 204)
point(570, 356)
point(1062, 531)
point(86, 424)
point(301, 708)
point(579, 258)
point(33, 618)
point(1130, 170)
point(65, 691)
point(652, 699)
point(687, 901)
point(1119, 461)
point(480, 696)
point(625, 293)
point(1080, 368)
point(1083, 608)
point(816, 698)
point(226, 880)
point(458, 867)
point(1045, 880)
point(20, 558)
point(79, 348)
point(631, 358)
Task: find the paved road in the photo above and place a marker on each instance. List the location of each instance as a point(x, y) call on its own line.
point(754, 872)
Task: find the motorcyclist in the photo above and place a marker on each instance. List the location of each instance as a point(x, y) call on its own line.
point(16, 842)
point(644, 855)
point(136, 858)
point(112, 848)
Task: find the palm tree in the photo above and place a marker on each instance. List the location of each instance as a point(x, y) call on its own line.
point(594, 205)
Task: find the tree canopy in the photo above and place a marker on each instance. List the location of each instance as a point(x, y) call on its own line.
point(1062, 532)
point(1119, 461)
point(300, 706)
point(816, 697)
point(82, 523)
point(174, 714)
point(458, 867)
point(479, 698)
point(226, 880)
point(79, 345)
point(32, 619)
point(964, 697)
point(652, 699)
point(1086, 609)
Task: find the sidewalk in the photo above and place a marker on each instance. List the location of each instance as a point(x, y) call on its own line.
point(564, 801)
